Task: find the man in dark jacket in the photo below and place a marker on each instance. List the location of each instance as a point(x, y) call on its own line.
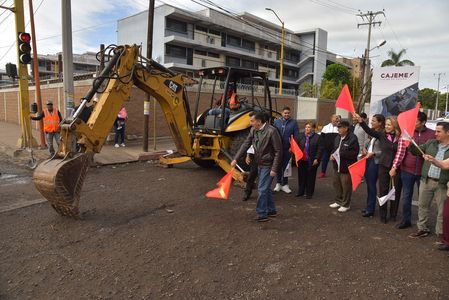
point(346, 149)
point(287, 126)
point(268, 155)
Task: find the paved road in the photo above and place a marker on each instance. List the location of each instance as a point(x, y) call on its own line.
point(149, 233)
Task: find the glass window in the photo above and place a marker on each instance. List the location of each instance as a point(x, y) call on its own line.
point(201, 52)
point(232, 61)
point(214, 32)
point(201, 28)
point(248, 64)
point(175, 51)
point(250, 45)
point(234, 41)
point(175, 25)
point(213, 54)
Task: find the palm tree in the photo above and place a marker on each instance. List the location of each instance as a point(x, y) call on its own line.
point(395, 59)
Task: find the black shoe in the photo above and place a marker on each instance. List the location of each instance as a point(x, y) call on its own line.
point(367, 215)
point(261, 219)
point(246, 197)
point(404, 224)
point(363, 211)
point(383, 220)
point(443, 247)
point(272, 214)
point(299, 195)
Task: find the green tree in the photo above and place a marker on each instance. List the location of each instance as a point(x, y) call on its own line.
point(338, 74)
point(310, 90)
point(329, 90)
point(427, 97)
point(395, 59)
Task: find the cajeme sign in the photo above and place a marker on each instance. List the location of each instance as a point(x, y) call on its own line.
point(396, 75)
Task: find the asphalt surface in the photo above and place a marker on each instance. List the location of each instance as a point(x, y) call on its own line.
point(149, 233)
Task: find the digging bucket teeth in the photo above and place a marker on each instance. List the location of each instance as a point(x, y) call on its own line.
point(60, 181)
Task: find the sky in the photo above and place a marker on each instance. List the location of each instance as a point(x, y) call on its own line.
point(419, 26)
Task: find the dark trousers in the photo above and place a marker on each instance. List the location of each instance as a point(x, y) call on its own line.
point(408, 184)
point(446, 222)
point(394, 205)
point(306, 178)
point(371, 181)
point(251, 180)
point(286, 155)
point(325, 160)
point(384, 180)
point(119, 134)
point(343, 188)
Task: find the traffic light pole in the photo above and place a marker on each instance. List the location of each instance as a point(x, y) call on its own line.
point(37, 82)
point(26, 139)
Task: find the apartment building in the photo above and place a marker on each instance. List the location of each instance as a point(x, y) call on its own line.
point(186, 41)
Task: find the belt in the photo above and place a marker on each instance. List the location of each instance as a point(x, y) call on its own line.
point(434, 179)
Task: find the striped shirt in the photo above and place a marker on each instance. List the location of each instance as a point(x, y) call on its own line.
point(400, 153)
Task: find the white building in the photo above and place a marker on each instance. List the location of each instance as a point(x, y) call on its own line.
point(187, 41)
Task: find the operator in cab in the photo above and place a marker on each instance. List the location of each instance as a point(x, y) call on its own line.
point(232, 103)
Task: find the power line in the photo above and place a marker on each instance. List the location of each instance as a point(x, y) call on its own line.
point(333, 7)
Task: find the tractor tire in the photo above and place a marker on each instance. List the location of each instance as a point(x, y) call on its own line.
point(236, 141)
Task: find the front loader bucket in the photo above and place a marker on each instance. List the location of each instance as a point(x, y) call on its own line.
point(60, 182)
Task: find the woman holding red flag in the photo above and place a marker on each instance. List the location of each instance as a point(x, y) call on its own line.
point(381, 153)
point(308, 165)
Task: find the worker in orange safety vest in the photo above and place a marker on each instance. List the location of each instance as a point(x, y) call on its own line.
point(52, 117)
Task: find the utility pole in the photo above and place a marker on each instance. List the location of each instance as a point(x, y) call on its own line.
point(67, 55)
point(281, 68)
point(447, 92)
point(438, 93)
point(370, 21)
point(146, 105)
point(37, 80)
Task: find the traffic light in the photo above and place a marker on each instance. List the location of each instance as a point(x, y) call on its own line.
point(24, 48)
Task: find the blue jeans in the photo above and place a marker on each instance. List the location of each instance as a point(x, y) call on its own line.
point(325, 160)
point(371, 181)
point(217, 110)
point(408, 184)
point(265, 201)
point(286, 155)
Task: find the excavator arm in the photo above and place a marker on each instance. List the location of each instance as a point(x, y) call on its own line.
point(60, 178)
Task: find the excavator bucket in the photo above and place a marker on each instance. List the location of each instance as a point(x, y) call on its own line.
point(60, 182)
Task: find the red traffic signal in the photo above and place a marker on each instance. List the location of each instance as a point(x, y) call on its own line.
point(24, 40)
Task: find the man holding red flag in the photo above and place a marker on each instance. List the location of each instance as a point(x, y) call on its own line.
point(268, 155)
point(346, 149)
point(411, 169)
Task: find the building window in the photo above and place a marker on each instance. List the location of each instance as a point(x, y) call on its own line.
point(175, 51)
point(248, 64)
point(177, 26)
point(201, 28)
point(234, 41)
point(214, 32)
point(249, 45)
point(213, 54)
point(232, 61)
point(201, 52)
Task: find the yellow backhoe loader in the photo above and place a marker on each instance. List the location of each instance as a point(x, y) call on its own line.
point(210, 137)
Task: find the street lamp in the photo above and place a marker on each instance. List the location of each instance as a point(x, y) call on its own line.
point(281, 69)
point(379, 45)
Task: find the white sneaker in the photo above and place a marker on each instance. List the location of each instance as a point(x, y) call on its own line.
point(122, 144)
point(116, 145)
point(334, 205)
point(278, 187)
point(343, 209)
point(286, 189)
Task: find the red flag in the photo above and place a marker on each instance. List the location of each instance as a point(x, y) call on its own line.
point(224, 185)
point(344, 101)
point(295, 150)
point(407, 121)
point(357, 171)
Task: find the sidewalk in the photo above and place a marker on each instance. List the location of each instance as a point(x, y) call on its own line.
point(10, 133)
